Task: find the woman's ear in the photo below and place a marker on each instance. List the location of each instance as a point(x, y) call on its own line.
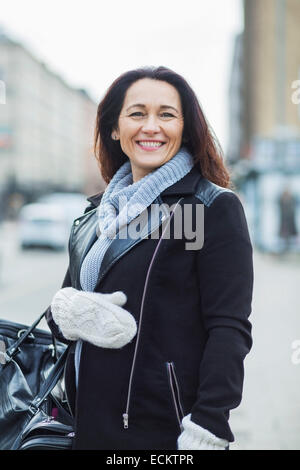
point(115, 135)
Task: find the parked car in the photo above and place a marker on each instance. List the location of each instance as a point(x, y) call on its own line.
point(43, 225)
point(73, 204)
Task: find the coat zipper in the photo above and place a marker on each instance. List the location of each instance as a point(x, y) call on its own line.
point(126, 414)
point(175, 392)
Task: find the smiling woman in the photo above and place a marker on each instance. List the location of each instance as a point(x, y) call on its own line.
point(159, 331)
point(154, 103)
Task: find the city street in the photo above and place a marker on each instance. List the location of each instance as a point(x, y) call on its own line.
point(269, 416)
point(28, 279)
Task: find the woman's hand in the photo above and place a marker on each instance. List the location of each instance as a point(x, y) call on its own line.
point(194, 437)
point(93, 317)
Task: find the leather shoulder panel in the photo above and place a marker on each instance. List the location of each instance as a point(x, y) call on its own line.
point(207, 191)
point(83, 235)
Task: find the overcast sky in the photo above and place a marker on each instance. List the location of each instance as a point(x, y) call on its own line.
point(89, 43)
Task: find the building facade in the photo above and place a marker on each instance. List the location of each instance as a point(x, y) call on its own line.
point(265, 145)
point(236, 103)
point(46, 128)
point(271, 65)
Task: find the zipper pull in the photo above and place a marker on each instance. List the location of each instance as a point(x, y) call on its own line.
point(125, 420)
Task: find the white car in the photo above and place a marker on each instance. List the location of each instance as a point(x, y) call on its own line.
point(43, 225)
point(73, 204)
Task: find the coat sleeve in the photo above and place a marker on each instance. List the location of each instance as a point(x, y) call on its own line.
point(225, 274)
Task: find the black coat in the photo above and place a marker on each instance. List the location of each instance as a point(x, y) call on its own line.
point(192, 312)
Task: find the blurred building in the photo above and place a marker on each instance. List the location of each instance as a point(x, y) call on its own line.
point(46, 128)
point(264, 148)
point(236, 103)
point(271, 65)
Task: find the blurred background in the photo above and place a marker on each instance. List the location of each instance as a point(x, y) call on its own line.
point(243, 60)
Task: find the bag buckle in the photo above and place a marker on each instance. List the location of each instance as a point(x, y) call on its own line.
point(10, 353)
point(21, 332)
point(33, 409)
point(3, 355)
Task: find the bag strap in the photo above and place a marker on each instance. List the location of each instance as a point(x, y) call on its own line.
point(50, 382)
point(54, 375)
point(10, 352)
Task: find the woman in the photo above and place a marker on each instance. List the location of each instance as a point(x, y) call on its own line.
point(159, 323)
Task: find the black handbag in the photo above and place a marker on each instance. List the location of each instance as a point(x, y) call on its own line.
point(34, 412)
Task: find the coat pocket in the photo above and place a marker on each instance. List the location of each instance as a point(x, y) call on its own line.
point(175, 392)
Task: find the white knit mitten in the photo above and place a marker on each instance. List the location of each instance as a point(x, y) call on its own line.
point(194, 437)
point(93, 317)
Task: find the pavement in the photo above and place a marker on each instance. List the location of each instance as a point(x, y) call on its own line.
point(269, 414)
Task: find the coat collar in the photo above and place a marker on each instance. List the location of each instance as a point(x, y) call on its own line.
point(187, 185)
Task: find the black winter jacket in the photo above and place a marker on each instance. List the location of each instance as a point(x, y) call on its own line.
point(192, 309)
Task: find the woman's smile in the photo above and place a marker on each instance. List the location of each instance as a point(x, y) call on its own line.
point(150, 145)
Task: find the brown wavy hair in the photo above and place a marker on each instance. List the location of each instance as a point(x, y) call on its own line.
point(197, 135)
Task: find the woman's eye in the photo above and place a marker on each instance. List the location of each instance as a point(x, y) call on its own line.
point(137, 113)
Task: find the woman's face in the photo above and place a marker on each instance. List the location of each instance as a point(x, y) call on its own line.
point(150, 125)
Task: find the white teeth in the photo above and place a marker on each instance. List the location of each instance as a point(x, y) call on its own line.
point(151, 144)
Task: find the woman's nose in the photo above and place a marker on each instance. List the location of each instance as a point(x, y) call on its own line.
point(151, 124)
